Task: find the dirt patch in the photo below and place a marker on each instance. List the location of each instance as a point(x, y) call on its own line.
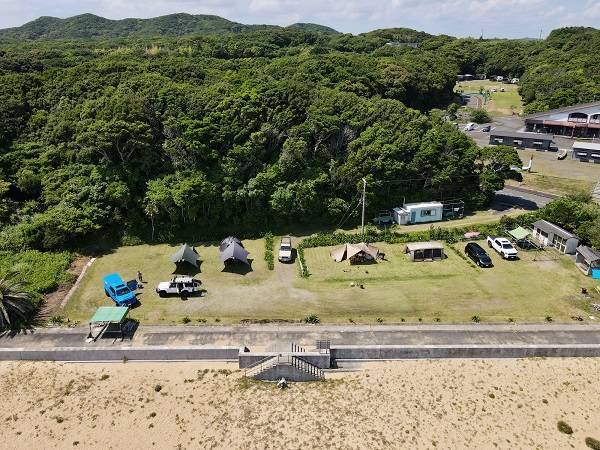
point(53, 300)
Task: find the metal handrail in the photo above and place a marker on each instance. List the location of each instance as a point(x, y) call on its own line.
point(261, 366)
point(260, 361)
point(271, 361)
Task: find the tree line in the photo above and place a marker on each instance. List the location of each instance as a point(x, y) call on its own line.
point(147, 138)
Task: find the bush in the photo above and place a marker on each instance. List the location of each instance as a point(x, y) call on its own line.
point(186, 320)
point(44, 272)
point(157, 388)
point(312, 318)
point(479, 116)
point(564, 427)
point(476, 319)
point(549, 319)
point(269, 256)
point(592, 443)
point(304, 273)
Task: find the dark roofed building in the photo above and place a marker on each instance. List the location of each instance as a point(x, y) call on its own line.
point(587, 259)
point(586, 152)
point(548, 234)
point(576, 121)
point(537, 141)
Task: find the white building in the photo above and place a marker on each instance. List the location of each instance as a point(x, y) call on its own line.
point(418, 213)
point(550, 235)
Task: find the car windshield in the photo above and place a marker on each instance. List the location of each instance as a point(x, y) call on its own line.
point(507, 246)
point(285, 246)
point(123, 291)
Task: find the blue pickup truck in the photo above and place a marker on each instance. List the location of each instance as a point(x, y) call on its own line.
point(121, 293)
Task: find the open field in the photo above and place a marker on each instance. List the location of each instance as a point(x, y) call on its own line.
point(500, 103)
point(452, 290)
point(557, 177)
point(456, 404)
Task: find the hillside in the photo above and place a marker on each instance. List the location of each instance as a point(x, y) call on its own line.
point(87, 26)
point(245, 132)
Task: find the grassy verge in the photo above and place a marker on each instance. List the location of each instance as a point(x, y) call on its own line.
point(269, 256)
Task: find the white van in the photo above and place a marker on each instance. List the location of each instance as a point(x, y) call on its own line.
point(469, 127)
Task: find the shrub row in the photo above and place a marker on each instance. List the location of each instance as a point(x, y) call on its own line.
point(269, 257)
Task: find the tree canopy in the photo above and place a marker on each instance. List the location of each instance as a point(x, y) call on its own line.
point(134, 138)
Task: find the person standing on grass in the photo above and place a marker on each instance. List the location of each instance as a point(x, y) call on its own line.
point(139, 277)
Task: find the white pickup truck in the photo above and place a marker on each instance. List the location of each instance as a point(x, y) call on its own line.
point(285, 250)
point(503, 247)
point(181, 285)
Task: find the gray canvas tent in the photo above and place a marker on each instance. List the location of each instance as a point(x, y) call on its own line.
point(186, 253)
point(232, 250)
point(354, 252)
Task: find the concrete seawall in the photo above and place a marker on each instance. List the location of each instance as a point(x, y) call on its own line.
point(391, 352)
point(148, 353)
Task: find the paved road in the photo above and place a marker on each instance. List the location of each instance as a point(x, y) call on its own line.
point(514, 197)
point(267, 337)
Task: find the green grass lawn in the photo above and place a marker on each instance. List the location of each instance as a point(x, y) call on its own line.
point(452, 290)
point(557, 177)
point(500, 103)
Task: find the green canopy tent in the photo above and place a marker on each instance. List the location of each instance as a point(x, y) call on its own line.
point(106, 317)
point(521, 236)
point(519, 233)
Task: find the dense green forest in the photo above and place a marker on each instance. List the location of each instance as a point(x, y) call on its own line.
point(140, 138)
point(86, 26)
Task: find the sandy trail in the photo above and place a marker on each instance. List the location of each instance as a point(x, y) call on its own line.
point(407, 404)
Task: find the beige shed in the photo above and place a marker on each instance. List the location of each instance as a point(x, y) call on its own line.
point(425, 251)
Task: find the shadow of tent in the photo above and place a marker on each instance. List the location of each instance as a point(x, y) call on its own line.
point(362, 262)
point(184, 268)
point(238, 267)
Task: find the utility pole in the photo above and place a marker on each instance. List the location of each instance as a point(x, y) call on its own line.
point(363, 206)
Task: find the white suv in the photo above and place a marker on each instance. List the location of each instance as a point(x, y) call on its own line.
point(181, 285)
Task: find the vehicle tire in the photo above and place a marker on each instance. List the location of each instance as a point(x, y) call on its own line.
point(184, 294)
point(162, 294)
point(106, 293)
point(489, 244)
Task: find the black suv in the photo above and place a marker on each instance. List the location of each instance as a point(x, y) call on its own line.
point(474, 251)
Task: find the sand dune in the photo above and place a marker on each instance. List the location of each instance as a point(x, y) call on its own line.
point(407, 404)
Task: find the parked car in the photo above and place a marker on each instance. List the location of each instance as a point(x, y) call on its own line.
point(487, 129)
point(181, 285)
point(503, 247)
point(285, 250)
point(469, 127)
point(121, 293)
point(474, 251)
point(384, 218)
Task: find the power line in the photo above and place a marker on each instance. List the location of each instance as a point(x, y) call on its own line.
point(349, 212)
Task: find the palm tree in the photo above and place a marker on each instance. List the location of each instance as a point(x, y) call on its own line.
point(15, 303)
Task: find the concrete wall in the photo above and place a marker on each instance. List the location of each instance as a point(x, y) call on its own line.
point(386, 352)
point(157, 353)
point(289, 372)
point(321, 360)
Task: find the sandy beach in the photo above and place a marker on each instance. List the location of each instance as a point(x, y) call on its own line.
point(406, 404)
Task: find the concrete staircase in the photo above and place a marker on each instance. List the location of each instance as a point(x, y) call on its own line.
point(596, 193)
point(288, 366)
